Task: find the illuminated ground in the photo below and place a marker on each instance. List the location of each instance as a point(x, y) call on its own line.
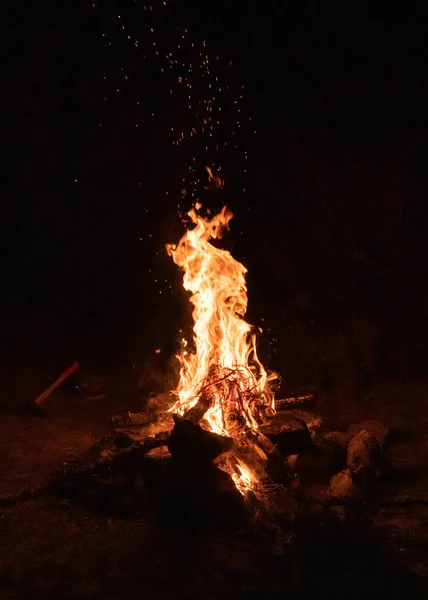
point(57, 549)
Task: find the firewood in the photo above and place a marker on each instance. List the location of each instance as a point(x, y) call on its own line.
point(197, 412)
point(189, 443)
point(295, 402)
point(104, 459)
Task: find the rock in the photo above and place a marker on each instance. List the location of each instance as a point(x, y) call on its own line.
point(333, 446)
point(375, 428)
point(337, 440)
point(343, 487)
point(315, 466)
point(315, 424)
point(291, 435)
point(365, 457)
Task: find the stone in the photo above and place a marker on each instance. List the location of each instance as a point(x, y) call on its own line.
point(365, 457)
point(291, 435)
point(333, 447)
point(315, 425)
point(375, 428)
point(315, 466)
point(337, 440)
point(343, 487)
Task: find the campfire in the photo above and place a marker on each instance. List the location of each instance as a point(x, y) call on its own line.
point(221, 434)
point(223, 386)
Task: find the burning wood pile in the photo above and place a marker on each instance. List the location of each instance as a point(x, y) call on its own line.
point(224, 395)
point(223, 414)
point(222, 426)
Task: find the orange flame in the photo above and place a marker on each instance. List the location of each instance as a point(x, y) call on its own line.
point(224, 364)
point(244, 479)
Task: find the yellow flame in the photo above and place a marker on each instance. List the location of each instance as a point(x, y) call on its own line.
point(224, 363)
point(244, 480)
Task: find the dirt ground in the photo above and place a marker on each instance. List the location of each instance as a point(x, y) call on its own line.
point(56, 548)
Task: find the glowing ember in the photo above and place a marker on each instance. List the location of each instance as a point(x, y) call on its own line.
point(223, 372)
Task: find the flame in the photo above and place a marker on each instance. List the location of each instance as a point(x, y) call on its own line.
point(223, 368)
point(244, 479)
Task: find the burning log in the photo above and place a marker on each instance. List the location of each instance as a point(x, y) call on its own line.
point(189, 442)
point(197, 412)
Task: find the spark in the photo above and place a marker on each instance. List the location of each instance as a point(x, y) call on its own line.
point(212, 108)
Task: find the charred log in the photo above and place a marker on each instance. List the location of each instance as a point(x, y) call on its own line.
point(189, 443)
point(295, 402)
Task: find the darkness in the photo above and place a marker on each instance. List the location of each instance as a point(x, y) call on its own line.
point(314, 113)
point(332, 221)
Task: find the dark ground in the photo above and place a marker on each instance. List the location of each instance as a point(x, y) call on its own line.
point(63, 548)
point(332, 228)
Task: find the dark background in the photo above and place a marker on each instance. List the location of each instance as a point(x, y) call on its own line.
point(332, 225)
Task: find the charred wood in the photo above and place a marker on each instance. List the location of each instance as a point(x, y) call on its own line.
point(189, 443)
point(294, 402)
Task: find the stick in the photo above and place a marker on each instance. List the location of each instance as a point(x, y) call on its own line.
point(44, 395)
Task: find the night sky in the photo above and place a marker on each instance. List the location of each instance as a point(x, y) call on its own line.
point(294, 100)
